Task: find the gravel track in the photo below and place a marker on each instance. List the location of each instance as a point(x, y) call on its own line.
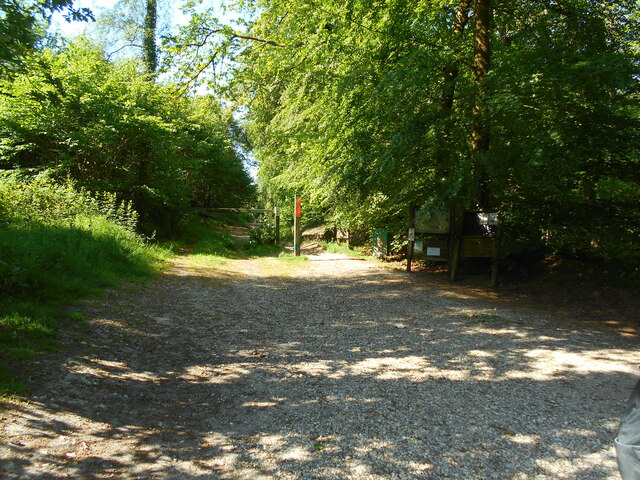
point(338, 369)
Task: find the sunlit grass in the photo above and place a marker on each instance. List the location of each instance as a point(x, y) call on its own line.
point(46, 267)
point(343, 248)
point(292, 259)
point(203, 260)
point(264, 250)
point(210, 246)
point(57, 246)
point(284, 264)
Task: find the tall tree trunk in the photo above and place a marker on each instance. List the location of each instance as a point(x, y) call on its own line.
point(150, 54)
point(480, 128)
point(451, 72)
point(149, 36)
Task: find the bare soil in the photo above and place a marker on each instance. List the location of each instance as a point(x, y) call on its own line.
point(335, 369)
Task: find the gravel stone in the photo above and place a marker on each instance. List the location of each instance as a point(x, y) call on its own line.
point(335, 369)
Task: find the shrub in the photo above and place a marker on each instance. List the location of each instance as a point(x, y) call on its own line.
point(58, 243)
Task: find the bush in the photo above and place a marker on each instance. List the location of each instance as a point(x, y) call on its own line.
point(58, 243)
point(334, 247)
point(110, 129)
point(41, 199)
point(262, 235)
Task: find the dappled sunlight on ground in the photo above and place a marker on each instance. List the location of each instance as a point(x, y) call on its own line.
point(333, 370)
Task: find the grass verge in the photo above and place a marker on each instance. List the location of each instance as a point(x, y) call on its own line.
point(58, 245)
point(333, 247)
point(291, 259)
point(46, 267)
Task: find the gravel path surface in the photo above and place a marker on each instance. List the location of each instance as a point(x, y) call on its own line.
point(338, 369)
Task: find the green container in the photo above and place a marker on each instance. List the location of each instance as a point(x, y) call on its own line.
point(380, 243)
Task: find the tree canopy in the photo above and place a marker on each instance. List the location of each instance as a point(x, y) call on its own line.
point(367, 107)
point(105, 125)
point(22, 26)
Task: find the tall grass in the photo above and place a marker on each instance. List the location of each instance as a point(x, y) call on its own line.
point(208, 245)
point(58, 244)
point(291, 258)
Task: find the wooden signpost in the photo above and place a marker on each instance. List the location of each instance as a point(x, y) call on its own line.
point(412, 239)
point(276, 213)
point(296, 224)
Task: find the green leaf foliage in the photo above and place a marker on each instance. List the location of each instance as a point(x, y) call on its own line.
point(58, 243)
point(111, 129)
point(22, 25)
point(366, 107)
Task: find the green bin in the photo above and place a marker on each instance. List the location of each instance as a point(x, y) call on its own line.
point(380, 243)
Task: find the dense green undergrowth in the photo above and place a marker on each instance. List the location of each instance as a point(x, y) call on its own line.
point(57, 245)
point(211, 238)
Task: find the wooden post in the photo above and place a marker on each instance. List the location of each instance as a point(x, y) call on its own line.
point(455, 231)
point(496, 253)
point(412, 237)
point(297, 210)
point(276, 213)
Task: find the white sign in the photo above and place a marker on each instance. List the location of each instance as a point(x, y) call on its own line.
point(412, 234)
point(433, 251)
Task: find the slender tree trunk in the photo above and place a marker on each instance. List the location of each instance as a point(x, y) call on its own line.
point(480, 128)
point(150, 54)
point(451, 70)
point(149, 36)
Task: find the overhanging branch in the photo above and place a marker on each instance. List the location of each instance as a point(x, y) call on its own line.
point(232, 36)
point(122, 48)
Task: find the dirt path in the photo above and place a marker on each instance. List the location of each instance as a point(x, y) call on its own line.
point(338, 369)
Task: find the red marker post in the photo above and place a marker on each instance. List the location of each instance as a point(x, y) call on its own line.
point(296, 224)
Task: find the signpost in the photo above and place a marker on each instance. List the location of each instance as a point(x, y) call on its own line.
point(296, 224)
point(412, 240)
point(276, 213)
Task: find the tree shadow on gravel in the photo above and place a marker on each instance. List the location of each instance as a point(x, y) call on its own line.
point(359, 376)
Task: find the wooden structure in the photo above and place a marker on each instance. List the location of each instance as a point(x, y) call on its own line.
point(452, 235)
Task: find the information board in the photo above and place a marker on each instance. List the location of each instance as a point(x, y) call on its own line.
point(429, 220)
